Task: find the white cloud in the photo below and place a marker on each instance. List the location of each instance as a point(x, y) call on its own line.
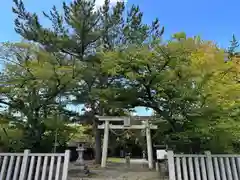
point(112, 2)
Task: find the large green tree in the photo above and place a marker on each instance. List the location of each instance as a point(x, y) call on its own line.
point(80, 32)
point(32, 82)
point(185, 81)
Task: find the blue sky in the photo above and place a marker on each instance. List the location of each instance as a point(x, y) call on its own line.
point(213, 20)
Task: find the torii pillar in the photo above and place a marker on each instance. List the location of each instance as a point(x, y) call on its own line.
point(149, 145)
point(105, 144)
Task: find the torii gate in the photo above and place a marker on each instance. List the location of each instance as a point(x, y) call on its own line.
point(106, 126)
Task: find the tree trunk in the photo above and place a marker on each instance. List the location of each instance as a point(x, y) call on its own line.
point(97, 137)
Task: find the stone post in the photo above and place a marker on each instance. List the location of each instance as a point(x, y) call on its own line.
point(149, 146)
point(105, 144)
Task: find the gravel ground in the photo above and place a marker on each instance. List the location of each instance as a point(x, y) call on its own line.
point(114, 171)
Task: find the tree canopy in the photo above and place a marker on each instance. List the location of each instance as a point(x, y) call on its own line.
point(109, 61)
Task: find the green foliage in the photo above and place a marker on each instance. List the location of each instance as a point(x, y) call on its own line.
point(110, 61)
point(182, 81)
point(10, 137)
point(179, 36)
point(31, 83)
point(82, 133)
point(80, 32)
point(81, 28)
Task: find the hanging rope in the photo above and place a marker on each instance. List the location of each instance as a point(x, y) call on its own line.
point(118, 134)
point(131, 133)
point(121, 134)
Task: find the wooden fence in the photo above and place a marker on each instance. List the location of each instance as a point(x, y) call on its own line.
point(34, 166)
point(203, 167)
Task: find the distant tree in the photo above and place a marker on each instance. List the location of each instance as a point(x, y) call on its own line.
point(234, 44)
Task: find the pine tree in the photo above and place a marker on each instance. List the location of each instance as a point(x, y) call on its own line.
point(82, 31)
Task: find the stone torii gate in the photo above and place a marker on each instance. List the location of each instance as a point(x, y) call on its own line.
point(107, 126)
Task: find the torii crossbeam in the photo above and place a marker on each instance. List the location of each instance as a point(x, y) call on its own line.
point(106, 126)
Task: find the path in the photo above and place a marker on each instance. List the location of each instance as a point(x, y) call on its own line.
point(115, 171)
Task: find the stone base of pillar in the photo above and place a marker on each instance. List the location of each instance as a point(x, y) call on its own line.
point(157, 166)
point(127, 159)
